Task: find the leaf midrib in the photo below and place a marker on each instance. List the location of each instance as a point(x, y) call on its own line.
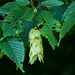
point(17, 21)
point(13, 51)
point(46, 21)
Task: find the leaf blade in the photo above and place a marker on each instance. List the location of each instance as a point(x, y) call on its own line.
point(14, 19)
point(8, 7)
point(14, 49)
point(67, 12)
point(69, 21)
point(52, 3)
point(49, 25)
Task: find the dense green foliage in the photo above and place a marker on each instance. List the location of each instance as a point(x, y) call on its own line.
point(20, 16)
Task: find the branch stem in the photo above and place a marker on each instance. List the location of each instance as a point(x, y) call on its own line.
point(32, 3)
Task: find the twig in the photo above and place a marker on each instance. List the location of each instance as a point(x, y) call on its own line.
point(32, 3)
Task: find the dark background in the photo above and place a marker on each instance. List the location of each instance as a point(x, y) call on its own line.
point(60, 61)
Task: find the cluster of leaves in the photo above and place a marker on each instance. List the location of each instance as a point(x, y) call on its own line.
point(20, 16)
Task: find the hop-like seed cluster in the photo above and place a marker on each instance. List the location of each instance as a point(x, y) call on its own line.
point(36, 48)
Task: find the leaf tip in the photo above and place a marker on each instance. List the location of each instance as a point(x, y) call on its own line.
point(23, 71)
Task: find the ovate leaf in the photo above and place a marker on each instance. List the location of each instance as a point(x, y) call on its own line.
point(5, 9)
point(20, 13)
point(29, 14)
point(69, 21)
point(67, 12)
point(12, 30)
point(22, 2)
point(58, 11)
point(14, 49)
point(52, 3)
point(50, 25)
point(14, 19)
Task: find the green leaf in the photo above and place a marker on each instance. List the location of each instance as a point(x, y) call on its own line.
point(15, 22)
point(1, 33)
point(58, 11)
point(14, 49)
point(69, 21)
point(8, 7)
point(25, 2)
point(67, 12)
point(52, 3)
point(1, 54)
point(26, 28)
point(12, 30)
point(29, 14)
point(39, 19)
point(5, 9)
point(19, 13)
point(50, 25)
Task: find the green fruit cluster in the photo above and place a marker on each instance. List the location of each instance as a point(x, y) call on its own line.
point(36, 47)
